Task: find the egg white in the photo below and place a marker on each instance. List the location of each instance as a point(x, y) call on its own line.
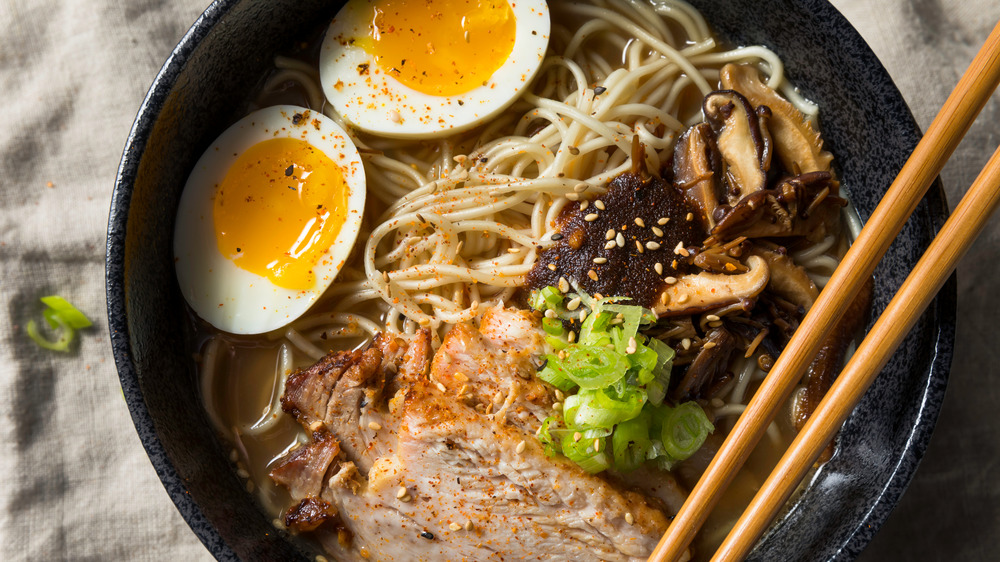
point(378, 103)
point(228, 297)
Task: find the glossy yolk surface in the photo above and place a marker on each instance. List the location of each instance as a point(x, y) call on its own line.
point(278, 210)
point(441, 47)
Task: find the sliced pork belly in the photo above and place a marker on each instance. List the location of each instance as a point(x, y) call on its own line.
point(491, 368)
point(435, 478)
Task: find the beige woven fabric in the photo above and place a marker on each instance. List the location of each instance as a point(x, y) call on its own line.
point(75, 483)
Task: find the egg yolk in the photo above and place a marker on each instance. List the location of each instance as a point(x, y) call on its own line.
point(441, 47)
point(278, 210)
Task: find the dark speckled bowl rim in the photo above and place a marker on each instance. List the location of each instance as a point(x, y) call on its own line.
point(933, 391)
point(121, 344)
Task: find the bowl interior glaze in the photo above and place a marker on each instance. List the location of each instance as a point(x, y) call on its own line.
point(210, 76)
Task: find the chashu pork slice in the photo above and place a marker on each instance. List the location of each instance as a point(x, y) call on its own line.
point(436, 479)
point(491, 369)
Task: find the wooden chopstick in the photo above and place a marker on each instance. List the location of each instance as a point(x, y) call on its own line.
point(924, 164)
point(885, 336)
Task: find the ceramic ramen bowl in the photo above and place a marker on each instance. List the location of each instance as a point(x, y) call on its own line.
point(208, 80)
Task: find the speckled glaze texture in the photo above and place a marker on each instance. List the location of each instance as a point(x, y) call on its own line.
point(210, 76)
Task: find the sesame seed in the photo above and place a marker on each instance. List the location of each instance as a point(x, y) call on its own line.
point(455, 526)
point(609, 244)
point(610, 234)
point(689, 217)
point(599, 204)
point(577, 436)
point(573, 304)
point(563, 285)
point(552, 266)
point(573, 196)
point(652, 245)
point(715, 324)
point(556, 236)
point(584, 204)
point(462, 390)
point(632, 346)
point(679, 247)
point(556, 406)
point(242, 473)
point(550, 313)
point(474, 305)
point(597, 445)
point(600, 260)
point(385, 276)
point(658, 232)
point(592, 274)
point(664, 298)
point(639, 222)
point(513, 250)
point(716, 403)
point(638, 246)
point(686, 343)
point(441, 387)
point(520, 447)
point(629, 518)
point(574, 150)
point(683, 298)
point(460, 158)
point(394, 116)
point(401, 492)
point(374, 426)
point(571, 337)
point(620, 240)
point(711, 318)
point(468, 525)
point(658, 267)
point(461, 376)
point(583, 315)
point(580, 187)
point(591, 217)
point(709, 345)
point(559, 395)
point(427, 535)
point(663, 221)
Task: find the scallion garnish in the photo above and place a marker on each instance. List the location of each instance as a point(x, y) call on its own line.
point(616, 417)
point(62, 317)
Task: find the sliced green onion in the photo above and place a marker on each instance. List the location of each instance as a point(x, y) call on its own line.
point(570, 407)
point(594, 326)
point(69, 313)
point(63, 318)
point(590, 451)
point(554, 374)
point(61, 343)
point(549, 297)
point(630, 323)
point(594, 367)
point(599, 409)
point(545, 437)
point(684, 430)
point(630, 443)
point(553, 326)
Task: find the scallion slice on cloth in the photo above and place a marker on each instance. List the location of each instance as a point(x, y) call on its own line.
point(62, 317)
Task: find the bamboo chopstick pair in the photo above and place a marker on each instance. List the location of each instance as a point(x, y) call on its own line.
point(926, 279)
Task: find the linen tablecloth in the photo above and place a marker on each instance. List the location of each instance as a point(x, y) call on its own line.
point(75, 483)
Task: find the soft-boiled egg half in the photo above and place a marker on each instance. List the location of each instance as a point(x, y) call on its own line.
point(420, 68)
point(267, 219)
